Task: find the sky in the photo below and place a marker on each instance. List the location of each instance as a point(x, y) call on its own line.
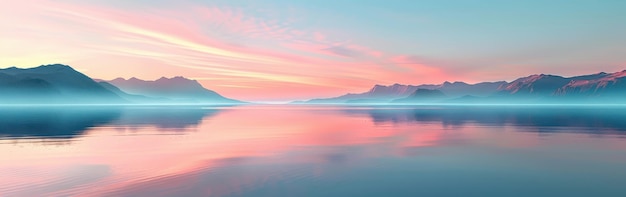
point(280, 50)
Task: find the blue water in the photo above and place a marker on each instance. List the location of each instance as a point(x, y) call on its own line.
point(291, 150)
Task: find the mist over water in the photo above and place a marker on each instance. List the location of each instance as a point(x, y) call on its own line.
point(301, 150)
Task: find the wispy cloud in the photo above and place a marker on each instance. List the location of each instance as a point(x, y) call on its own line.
point(237, 53)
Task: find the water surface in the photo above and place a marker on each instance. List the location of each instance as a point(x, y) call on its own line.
point(277, 150)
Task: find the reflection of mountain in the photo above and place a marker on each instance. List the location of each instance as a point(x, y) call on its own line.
point(68, 122)
point(52, 122)
point(164, 117)
point(599, 120)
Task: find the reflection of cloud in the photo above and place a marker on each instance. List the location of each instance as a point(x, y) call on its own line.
point(237, 136)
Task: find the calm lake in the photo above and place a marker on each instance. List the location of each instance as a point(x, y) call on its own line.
point(291, 150)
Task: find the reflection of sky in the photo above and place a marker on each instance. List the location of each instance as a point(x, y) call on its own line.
point(282, 50)
point(265, 149)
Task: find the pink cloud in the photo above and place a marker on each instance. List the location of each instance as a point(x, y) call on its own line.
point(319, 37)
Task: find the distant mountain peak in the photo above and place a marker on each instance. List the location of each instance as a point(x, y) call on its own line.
point(46, 67)
point(176, 88)
point(399, 89)
point(447, 83)
point(56, 66)
point(133, 79)
point(161, 79)
point(176, 79)
point(535, 77)
point(378, 86)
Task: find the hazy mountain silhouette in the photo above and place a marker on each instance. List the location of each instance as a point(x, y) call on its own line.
point(541, 88)
point(595, 88)
point(378, 94)
point(176, 89)
point(60, 84)
point(131, 97)
point(422, 96)
point(601, 84)
point(55, 83)
point(383, 94)
point(534, 86)
point(459, 89)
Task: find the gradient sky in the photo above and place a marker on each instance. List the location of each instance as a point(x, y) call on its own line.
point(286, 50)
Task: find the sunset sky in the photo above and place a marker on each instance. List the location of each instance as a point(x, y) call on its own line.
point(288, 50)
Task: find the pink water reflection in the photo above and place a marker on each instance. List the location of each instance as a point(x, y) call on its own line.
point(128, 155)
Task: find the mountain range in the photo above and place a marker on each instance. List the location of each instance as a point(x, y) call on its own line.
point(541, 88)
point(381, 93)
point(61, 84)
point(176, 89)
point(54, 83)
